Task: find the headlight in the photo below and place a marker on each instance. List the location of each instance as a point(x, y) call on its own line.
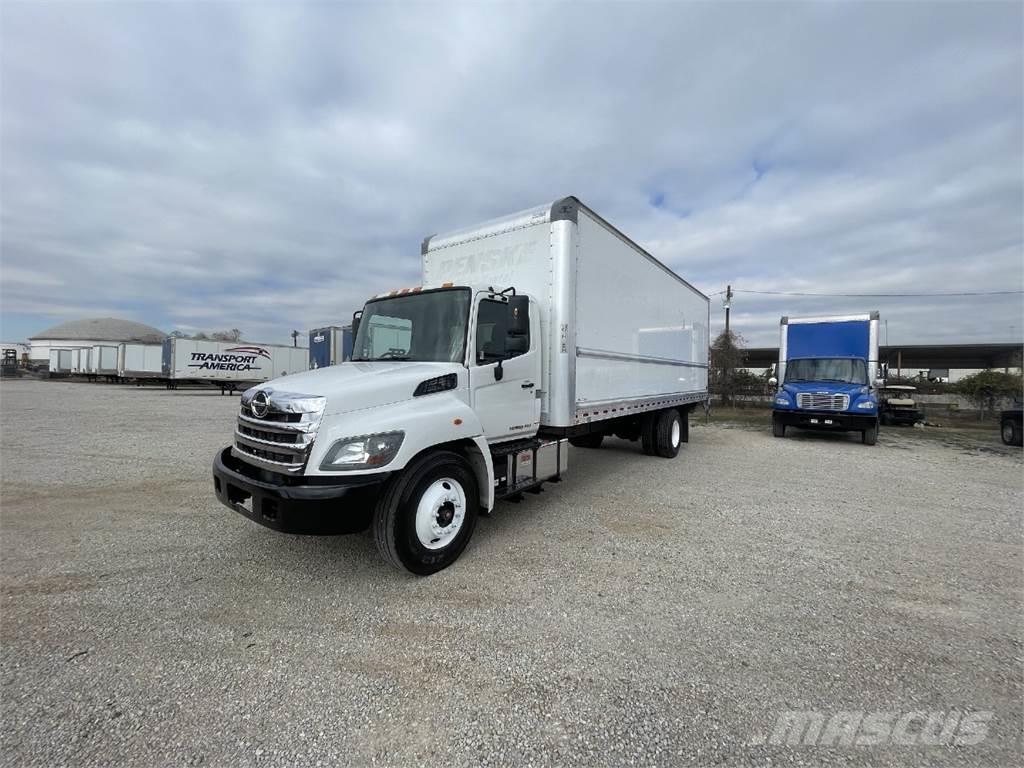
point(783, 400)
point(866, 404)
point(363, 452)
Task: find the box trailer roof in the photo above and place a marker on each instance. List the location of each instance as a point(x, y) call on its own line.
point(563, 209)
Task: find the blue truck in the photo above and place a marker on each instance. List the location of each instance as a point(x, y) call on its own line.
point(329, 346)
point(827, 375)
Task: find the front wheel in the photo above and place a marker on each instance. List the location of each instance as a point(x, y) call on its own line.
point(1010, 433)
point(778, 428)
point(426, 514)
point(870, 435)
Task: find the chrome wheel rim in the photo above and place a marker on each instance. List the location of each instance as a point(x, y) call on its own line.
point(676, 433)
point(440, 513)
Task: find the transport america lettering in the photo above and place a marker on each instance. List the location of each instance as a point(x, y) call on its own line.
point(211, 361)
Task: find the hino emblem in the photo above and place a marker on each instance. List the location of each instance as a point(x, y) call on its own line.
point(260, 404)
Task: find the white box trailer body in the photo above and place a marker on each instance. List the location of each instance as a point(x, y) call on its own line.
point(226, 361)
point(60, 361)
point(80, 360)
point(103, 360)
point(140, 361)
point(622, 333)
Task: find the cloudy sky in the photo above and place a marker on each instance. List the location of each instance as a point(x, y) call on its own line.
point(269, 166)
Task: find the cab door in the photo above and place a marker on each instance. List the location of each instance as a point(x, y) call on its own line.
point(504, 373)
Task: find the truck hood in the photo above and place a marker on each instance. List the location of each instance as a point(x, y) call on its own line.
point(832, 387)
point(355, 386)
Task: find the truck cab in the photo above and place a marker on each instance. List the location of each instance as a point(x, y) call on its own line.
point(826, 375)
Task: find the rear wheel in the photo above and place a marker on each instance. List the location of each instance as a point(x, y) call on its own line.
point(587, 441)
point(870, 435)
point(1010, 433)
point(649, 433)
point(426, 514)
point(778, 428)
point(668, 433)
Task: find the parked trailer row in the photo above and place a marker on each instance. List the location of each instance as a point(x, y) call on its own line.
point(192, 360)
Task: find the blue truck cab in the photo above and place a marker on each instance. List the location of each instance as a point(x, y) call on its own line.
point(827, 375)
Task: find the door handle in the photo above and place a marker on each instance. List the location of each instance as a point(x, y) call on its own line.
point(528, 385)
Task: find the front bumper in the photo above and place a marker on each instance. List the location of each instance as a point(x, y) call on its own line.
point(344, 507)
point(839, 421)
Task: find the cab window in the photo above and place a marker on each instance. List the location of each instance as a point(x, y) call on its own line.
point(491, 331)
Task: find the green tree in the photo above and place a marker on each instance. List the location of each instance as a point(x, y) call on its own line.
point(987, 388)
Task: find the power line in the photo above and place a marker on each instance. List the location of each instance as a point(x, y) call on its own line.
point(876, 295)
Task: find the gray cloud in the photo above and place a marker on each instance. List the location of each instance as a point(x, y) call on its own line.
point(269, 167)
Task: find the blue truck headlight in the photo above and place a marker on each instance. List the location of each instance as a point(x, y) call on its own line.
point(783, 400)
point(365, 452)
point(867, 404)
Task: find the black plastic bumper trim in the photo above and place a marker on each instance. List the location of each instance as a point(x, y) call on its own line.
point(342, 507)
point(840, 421)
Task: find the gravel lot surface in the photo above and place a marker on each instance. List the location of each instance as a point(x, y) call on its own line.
point(643, 611)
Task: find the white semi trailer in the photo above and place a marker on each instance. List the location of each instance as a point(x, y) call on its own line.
point(140, 361)
point(229, 363)
point(531, 331)
point(103, 360)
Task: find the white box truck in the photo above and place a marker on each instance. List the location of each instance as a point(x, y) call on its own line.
point(140, 361)
point(229, 362)
point(530, 331)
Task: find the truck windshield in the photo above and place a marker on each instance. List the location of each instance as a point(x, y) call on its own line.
point(425, 327)
point(844, 369)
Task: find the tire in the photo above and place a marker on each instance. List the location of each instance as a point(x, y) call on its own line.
point(870, 435)
point(1010, 433)
point(587, 441)
point(649, 433)
point(437, 484)
point(668, 433)
point(778, 429)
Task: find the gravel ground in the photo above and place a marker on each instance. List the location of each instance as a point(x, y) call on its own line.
point(643, 611)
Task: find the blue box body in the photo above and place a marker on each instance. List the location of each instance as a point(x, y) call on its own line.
point(842, 337)
point(329, 346)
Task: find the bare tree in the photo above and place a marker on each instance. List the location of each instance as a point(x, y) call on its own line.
point(727, 355)
point(233, 335)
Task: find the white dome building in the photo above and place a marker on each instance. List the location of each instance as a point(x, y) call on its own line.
point(88, 333)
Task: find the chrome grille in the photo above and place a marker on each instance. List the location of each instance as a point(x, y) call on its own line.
point(281, 439)
point(822, 401)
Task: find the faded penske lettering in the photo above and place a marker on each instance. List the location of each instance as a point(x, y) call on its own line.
point(494, 264)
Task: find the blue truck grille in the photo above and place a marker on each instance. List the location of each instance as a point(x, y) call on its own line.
point(822, 401)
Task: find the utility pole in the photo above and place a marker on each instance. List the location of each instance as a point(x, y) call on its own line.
point(728, 306)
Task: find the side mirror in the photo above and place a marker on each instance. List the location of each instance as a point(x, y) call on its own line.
point(499, 372)
point(773, 381)
point(356, 318)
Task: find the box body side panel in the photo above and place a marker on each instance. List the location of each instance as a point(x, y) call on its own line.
point(641, 332)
